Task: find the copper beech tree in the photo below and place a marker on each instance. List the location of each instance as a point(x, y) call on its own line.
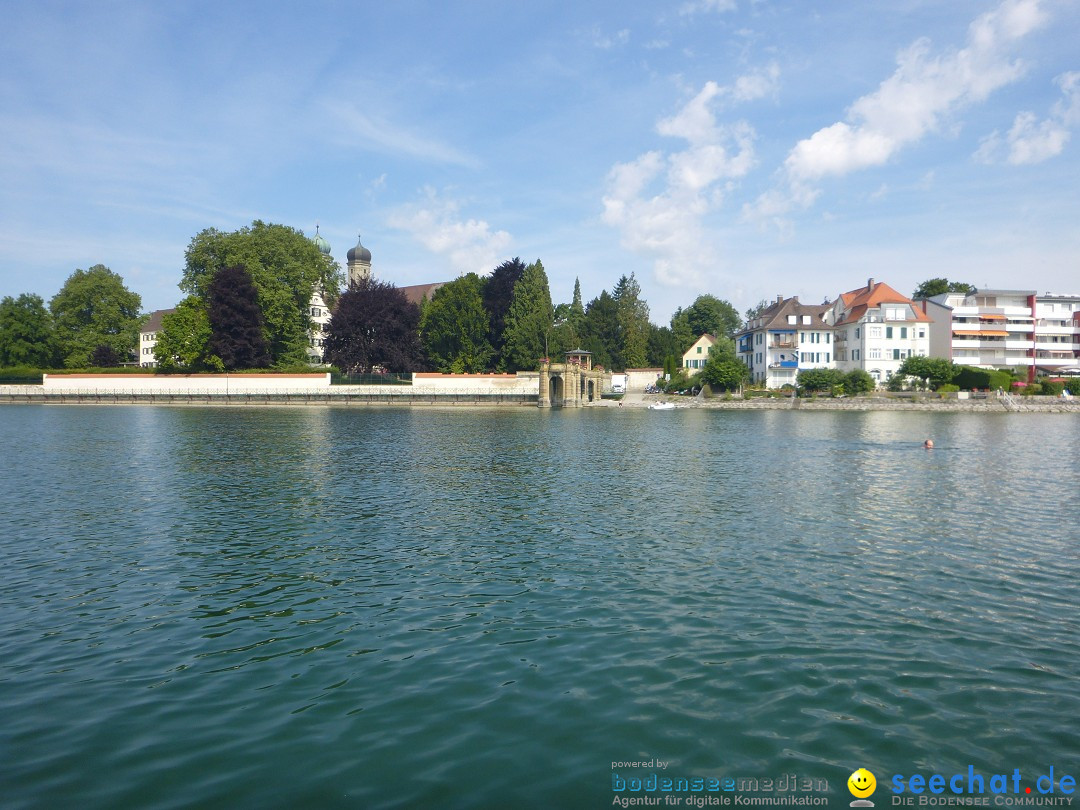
point(374, 325)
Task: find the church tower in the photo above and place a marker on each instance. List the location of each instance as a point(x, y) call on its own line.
point(359, 262)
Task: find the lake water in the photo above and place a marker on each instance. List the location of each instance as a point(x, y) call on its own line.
point(331, 607)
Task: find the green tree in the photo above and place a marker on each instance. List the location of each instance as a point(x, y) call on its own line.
point(937, 286)
point(184, 339)
point(711, 315)
point(933, 371)
point(454, 327)
point(94, 309)
point(682, 332)
point(662, 344)
point(374, 324)
point(237, 335)
point(819, 379)
point(285, 267)
point(498, 294)
point(528, 321)
point(26, 332)
point(756, 310)
point(723, 369)
point(858, 382)
point(633, 320)
point(601, 332)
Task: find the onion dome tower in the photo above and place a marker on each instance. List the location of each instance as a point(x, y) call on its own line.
point(359, 262)
point(320, 243)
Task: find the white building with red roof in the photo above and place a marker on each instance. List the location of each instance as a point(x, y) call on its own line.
point(876, 329)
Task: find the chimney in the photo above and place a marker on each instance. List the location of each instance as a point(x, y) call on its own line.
point(795, 299)
point(779, 299)
point(870, 284)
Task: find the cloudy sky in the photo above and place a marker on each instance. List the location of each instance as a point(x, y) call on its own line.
point(744, 148)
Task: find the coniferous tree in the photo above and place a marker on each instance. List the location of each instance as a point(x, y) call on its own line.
point(633, 322)
point(498, 293)
point(528, 321)
point(237, 333)
point(454, 327)
point(374, 324)
point(601, 331)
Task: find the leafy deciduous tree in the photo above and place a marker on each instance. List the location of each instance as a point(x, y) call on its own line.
point(858, 382)
point(184, 339)
point(933, 371)
point(374, 324)
point(93, 309)
point(819, 379)
point(236, 322)
point(723, 369)
point(937, 286)
point(285, 267)
point(26, 332)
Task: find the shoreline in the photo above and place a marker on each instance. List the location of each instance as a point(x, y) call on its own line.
point(633, 401)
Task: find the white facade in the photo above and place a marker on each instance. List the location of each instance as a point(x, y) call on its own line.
point(878, 328)
point(1057, 333)
point(1015, 329)
point(148, 338)
point(788, 337)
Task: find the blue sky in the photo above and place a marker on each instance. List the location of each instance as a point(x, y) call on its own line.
point(744, 148)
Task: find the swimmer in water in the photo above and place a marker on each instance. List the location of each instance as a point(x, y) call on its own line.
point(928, 444)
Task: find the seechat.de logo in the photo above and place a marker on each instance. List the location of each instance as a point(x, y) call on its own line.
point(862, 784)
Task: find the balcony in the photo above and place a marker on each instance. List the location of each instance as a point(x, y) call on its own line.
point(785, 364)
point(784, 344)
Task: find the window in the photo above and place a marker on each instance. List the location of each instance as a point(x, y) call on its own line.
point(875, 331)
point(806, 320)
point(827, 357)
point(791, 319)
point(854, 354)
point(896, 354)
point(875, 354)
point(802, 337)
point(759, 337)
point(903, 333)
point(922, 332)
point(828, 337)
point(316, 312)
point(856, 333)
point(699, 350)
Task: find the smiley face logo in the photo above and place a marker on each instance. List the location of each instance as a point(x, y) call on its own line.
point(861, 783)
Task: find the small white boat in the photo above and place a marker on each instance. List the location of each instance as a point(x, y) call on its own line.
point(662, 406)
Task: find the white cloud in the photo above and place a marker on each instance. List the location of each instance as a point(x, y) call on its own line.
point(659, 201)
point(470, 244)
point(924, 91)
point(605, 42)
point(1031, 141)
point(697, 6)
point(380, 134)
point(758, 84)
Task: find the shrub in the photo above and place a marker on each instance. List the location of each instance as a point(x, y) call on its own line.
point(948, 388)
point(1052, 388)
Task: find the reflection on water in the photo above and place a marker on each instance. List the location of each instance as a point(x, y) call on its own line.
point(272, 607)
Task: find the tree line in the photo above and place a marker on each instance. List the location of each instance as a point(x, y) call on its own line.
point(247, 305)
